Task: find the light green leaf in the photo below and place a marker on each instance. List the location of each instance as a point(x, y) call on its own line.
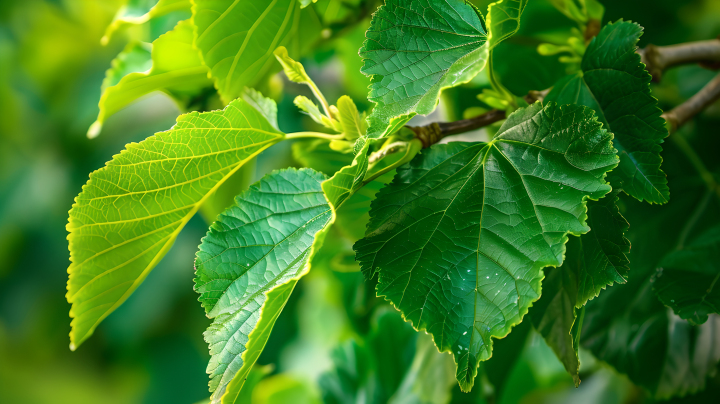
point(353, 123)
point(130, 212)
point(687, 278)
point(243, 393)
point(414, 49)
point(503, 20)
point(237, 39)
point(615, 84)
point(135, 58)
point(294, 70)
point(249, 262)
point(461, 236)
point(138, 12)
point(580, 10)
point(306, 105)
point(176, 70)
point(266, 106)
point(348, 179)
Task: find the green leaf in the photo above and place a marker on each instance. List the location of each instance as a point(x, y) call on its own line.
point(615, 84)
point(249, 263)
point(348, 179)
point(138, 12)
point(294, 70)
point(461, 236)
point(628, 327)
point(503, 20)
point(592, 262)
point(237, 39)
point(415, 49)
point(266, 106)
point(687, 279)
point(130, 212)
point(353, 123)
point(135, 58)
point(176, 70)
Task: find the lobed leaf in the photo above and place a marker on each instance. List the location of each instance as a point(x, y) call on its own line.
point(592, 262)
point(615, 84)
point(249, 263)
point(413, 50)
point(130, 212)
point(461, 236)
point(176, 70)
point(687, 278)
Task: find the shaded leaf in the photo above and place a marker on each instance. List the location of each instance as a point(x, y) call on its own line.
point(413, 50)
point(249, 262)
point(687, 281)
point(616, 85)
point(461, 236)
point(130, 212)
point(176, 70)
point(592, 262)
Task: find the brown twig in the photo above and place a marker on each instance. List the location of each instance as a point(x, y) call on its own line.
point(679, 115)
point(660, 58)
point(433, 132)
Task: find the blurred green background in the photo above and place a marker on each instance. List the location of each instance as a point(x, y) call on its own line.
point(151, 349)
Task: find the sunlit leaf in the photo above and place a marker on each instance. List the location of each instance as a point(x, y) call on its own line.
point(237, 39)
point(688, 279)
point(352, 122)
point(130, 212)
point(249, 262)
point(141, 11)
point(503, 20)
point(176, 70)
point(461, 236)
point(616, 85)
point(413, 50)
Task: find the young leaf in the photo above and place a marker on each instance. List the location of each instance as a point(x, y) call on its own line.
point(615, 84)
point(353, 124)
point(265, 106)
point(504, 20)
point(688, 277)
point(176, 70)
point(249, 262)
point(237, 39)
point(592, 262)
point(461, 236)
point(414, 49)
point(136, 12)
point(294, 70)
point(130, 212)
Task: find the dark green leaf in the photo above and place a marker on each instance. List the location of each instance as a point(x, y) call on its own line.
point(249, 262)
point(687, 279)
point(592, 262)
point(413, 50)
point(461, 236)
point(615, 84)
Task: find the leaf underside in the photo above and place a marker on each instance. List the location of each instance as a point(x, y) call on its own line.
point(176, 70)
point(615, 84)
point(248, 264)
point(414, 49)
point(130, 212)
point(461, 236)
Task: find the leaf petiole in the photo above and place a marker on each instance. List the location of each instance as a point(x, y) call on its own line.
point(314, 135)
point(412, 148)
